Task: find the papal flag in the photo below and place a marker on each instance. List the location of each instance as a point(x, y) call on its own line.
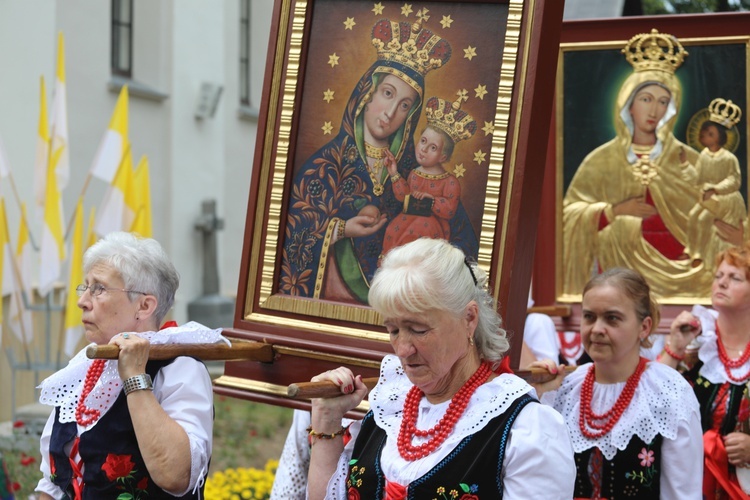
point(52, 251)
point(59, 120)
point(73, 314)
point(142, 193)
point(90, 232)
point(6, 267)
point(42, 150)
point(20, 319)
point(115, 142)
point(117, 211)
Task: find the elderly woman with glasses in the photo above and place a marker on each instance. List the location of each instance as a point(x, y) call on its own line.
point(128, 426)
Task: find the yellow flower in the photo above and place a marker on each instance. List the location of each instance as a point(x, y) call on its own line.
point(242, 483)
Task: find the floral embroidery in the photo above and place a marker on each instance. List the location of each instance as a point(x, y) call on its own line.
point(121, 468)
point(647, 457)
point(354, 480)
point(645, 477)
point(468, 493)
point(52, 468)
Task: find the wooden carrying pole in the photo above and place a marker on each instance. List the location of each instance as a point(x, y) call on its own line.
point(240, 349)
point(327, 389)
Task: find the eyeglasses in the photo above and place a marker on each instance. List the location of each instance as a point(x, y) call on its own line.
point(97, 289)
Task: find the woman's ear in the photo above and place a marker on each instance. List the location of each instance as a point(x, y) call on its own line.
point(645, 327)
point(471, 314)
point(146, 307)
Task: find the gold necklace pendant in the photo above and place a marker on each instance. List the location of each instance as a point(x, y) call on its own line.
point(377, 168)
point(375, 152)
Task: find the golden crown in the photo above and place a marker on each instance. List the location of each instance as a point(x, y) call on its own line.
point(654, 51)
point(450, 118)
point(724, 112)
point(410, 45)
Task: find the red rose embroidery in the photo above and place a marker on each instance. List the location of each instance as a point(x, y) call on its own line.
point(143, 484)
point(117, 466)
point(52, 468)
point(467, 496)
point(744, 413)
point(353, 494)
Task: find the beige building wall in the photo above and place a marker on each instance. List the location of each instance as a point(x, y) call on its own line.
point(178, 45)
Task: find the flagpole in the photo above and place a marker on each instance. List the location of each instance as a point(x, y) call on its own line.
point(86, 185)
point(23, 212)
point(72, 219)
point(25, 303)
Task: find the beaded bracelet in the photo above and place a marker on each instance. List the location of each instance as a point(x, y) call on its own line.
point(340, 230)
point(673, 354)
point(323, 435)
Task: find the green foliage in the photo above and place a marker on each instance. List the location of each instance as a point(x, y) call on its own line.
point(658, 7)
point(247, 434)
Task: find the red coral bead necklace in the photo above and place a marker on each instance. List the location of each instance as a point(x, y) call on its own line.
point(445, 426)
point(85, 415)
point(732, 363)
point(602, 424)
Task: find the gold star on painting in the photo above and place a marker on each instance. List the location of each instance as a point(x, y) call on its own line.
point(446, 22)
point(479, 157)
point(378, 9)
point(422, 15)
point(481, 91)
point(459, 170)
point(488, 128)
point(349, 23)
point(333, 59)
point(463, 95)
point(406, 10)
point(328, 96)
point(470, 52)
point(327, 128)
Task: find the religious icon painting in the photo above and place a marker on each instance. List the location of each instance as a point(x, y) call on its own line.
point(383, 122)
point(651, 153)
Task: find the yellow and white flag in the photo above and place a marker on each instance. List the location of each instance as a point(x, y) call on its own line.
point(73, 314)
point(59, 120)
point(90, 233)
point(5, 261)
point(142, 194)
point(117, 211)
point(20, 319)
point(42, 151)
point(115, 142)
point(52, 251)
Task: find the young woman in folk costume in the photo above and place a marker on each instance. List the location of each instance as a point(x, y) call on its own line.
point(721, 375)
point(635, 426)
point(342, 196)
point(628, 203)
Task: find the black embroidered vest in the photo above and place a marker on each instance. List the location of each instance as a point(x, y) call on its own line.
point(113, 464)
point(706, 393)
point(632, 473)
point(474, 467)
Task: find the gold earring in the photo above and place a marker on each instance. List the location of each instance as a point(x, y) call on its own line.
point(471, 340)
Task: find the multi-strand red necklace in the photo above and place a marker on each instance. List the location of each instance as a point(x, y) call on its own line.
point(442, 429)
point(602, 424)
point(85, 415)
point(732, 363)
